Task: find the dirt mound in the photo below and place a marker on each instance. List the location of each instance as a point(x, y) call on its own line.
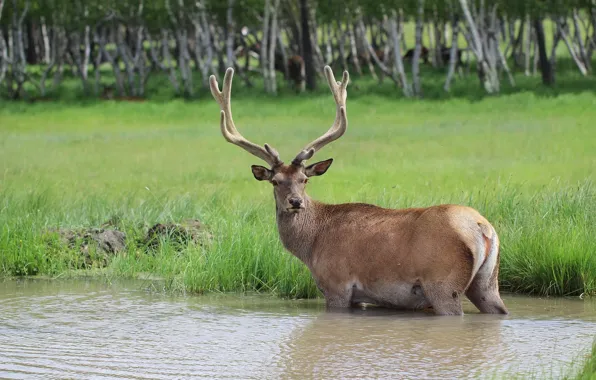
point(190, 231)
point(96, 245)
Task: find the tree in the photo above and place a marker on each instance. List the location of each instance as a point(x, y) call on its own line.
point(309, 64)
point(548, 75)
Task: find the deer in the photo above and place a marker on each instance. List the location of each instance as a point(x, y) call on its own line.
point(423, 259)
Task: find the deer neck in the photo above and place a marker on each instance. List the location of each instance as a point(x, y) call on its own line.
point(298, 231)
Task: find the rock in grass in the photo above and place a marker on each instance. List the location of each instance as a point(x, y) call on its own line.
point(190, 231)
point(96, 245)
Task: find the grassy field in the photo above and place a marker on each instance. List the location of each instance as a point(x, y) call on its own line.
point(524, 159)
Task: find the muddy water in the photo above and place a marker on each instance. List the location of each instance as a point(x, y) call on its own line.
point(79, 329)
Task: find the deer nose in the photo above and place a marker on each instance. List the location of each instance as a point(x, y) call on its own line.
point(295, 202)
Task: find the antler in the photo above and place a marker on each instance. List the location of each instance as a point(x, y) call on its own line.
point(228, 129)
point(338, 89)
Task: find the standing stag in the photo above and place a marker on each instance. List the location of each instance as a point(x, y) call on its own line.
point(359, 253)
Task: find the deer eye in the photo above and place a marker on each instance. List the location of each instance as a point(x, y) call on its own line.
point(305, 180)
point(274, 182)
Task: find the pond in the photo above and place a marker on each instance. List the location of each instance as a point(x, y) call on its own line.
point(92, 329)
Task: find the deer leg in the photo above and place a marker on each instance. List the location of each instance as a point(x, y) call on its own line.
point(444, 299)
point(488, 302)
point(484, 294)
point(338, 299)
point(484, 289)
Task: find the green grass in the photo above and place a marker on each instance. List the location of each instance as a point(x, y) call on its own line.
point(524, 159)
point(588, 371)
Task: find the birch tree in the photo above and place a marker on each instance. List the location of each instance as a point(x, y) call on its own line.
point(418, 49)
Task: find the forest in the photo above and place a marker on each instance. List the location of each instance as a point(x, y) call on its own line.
point(114, 48)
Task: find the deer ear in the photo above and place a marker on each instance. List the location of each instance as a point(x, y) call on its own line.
point(318, 168)
point(261, 173)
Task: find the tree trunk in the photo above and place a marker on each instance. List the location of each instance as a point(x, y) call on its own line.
point(572, 52)
point(284, 55)
point(163, 62)
point(373, 54)
point(18, 72)
point(418, 50)
point(264, 56)
point(517, 48)
point(3, 56)
point(354, 50)
point(397, 58)
point(309, 68)
point(230, 31)
point(580, 41)
point(340, 37)
point(328, 47)
point(527, 46)
point(31, 48)
point(548, 75)
point(453, 59)
point(206, 44)
point(483, 48)
point(272, 43)
point(362, 43)
point(318, 59)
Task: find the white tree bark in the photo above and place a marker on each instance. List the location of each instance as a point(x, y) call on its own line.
point(328, 46)
point(56, 47)
point(505, 65)
point(158, 61)
point(124, 54)
point(453, 59)
point(418, 49)
point(582, 68)
point(3, 57)
point(363, 44)
point(272, 44)
point(264, 44)
point(527, 45)
point(583, 55)
point(395, 36)
point(207, 47)
point(46, 40)
point(18, 62)
point(341, 41)
point(481, 46)
point(354, 50)
point(112, 59)
point(384, 69)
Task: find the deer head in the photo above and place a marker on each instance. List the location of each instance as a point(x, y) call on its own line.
point(288, 181)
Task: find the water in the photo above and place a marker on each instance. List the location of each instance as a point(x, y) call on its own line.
point(92, 330)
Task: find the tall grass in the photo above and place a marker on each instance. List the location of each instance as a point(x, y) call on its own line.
point(524, 160)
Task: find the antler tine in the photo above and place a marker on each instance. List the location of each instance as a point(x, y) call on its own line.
point(338, 90)
point(228, 129)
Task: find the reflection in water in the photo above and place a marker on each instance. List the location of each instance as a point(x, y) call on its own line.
point(79, 329)
point(414, 346)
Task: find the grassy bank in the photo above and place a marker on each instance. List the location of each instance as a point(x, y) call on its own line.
point(525, 160)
